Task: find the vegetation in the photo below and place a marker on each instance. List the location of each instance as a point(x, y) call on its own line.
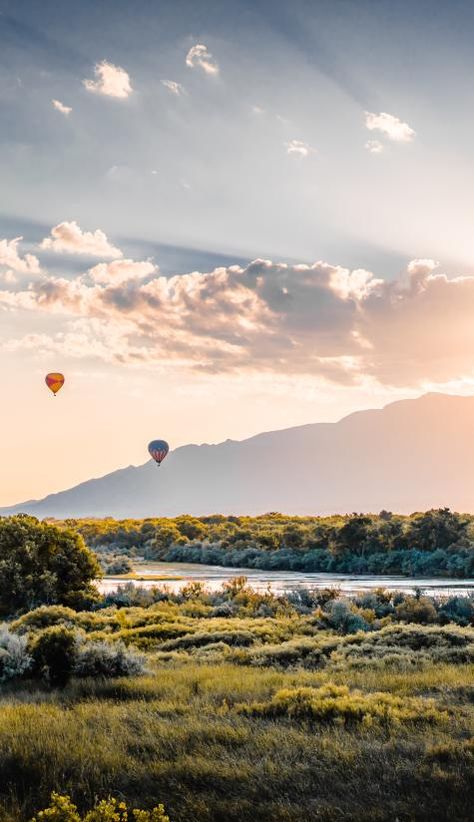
point(43, 564)
point(437, 542)
point(237, 705)
point(62, 809)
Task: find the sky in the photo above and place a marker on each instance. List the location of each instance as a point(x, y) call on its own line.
point(219, 218)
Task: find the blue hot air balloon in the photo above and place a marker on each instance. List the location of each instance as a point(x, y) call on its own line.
point(158, 450)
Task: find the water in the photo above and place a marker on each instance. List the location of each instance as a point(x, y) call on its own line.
point(213, 576)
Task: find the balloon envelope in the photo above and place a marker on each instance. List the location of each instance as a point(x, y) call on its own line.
point(158, 450)
point(54, 381)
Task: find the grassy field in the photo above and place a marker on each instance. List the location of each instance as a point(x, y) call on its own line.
point(249, 710)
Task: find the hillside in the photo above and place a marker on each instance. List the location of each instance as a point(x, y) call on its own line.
point(410, 455)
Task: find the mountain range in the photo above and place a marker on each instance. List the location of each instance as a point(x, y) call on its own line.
point(411, 455)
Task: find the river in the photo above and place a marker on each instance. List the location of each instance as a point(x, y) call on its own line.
point(178, 574)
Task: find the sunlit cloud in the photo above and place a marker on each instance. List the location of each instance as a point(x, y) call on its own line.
point(299, 148)
point(342, 325)
point(199, 57)
point(66, 110)
point(111, 81)
point(391, 126)
point(68, 237)
point(120, 271)
point(374, 146)
point(175, 88)
point(9, 257)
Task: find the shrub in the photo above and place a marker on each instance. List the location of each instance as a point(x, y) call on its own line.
point(107, 659)
point(416, 609)
point(44, 617)
point(54, 654)
point(344, 617)
point(62, 809)
point(14, 657)
point(198, 640)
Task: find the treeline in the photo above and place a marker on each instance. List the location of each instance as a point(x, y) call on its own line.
point(438, 542)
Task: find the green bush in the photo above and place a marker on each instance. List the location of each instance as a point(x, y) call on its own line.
point(44, 617)
point(54, 654)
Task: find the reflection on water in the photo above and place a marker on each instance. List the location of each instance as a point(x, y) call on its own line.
point(279, 581)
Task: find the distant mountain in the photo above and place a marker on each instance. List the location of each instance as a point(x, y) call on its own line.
point(409, 456)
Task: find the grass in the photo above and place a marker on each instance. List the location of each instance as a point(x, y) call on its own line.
point(180, 736)
point(249, 718)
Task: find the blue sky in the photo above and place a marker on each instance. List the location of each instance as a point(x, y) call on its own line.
point(144, 145)
point(222, 182)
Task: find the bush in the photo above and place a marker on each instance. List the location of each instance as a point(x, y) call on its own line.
point(14, 657)
point(44, 617)
point(343, 617)
point(416, 609)
point(198, 640)
point(54, 654)
point(62, 809)
point(107, 659)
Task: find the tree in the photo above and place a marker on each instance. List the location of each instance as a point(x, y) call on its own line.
point(438, 528)
point(41, 564)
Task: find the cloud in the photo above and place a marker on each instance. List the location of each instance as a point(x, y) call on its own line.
point(66, 110)
point(120, 271)
point(173, 87)
point(111, 81)
point(299, 148)
point(70, 239)
point(199, 57)
point(374, 146)
point(389, 125)
point(9, 257)
point(322, 320)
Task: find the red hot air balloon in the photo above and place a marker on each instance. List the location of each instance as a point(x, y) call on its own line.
point(158, 450)
point(54, 381)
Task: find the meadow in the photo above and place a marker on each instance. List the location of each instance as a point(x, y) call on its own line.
point(246, 706)
point(229, 705)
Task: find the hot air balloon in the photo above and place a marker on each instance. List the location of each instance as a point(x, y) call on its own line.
point(158, 450)
point(54, 381)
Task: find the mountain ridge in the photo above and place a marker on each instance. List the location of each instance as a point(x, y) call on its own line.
point(410, 455)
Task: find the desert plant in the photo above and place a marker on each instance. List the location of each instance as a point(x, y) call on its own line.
point(107, 659)
point(14, 657)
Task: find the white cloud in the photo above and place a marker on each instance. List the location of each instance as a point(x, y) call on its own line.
point(112, 81)
point(173, 87)
point(374, 146)
point(258, 110)
point(389, 125)
point(69, 238)
point(299, 148)
point(199, 57)
point(322, 320)
point(120, 271)
point(9, 257)
point(66, 110)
